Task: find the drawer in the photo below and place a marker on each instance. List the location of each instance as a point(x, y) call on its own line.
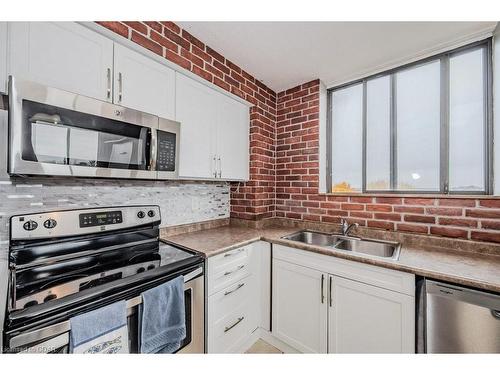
point(222, 277)
point(230, 298)
point(228, 333)
point(223, 260)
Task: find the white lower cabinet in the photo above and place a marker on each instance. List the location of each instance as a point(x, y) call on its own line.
point(320, 306)
point(238, 297)
point(299, 310)
point(367, 319)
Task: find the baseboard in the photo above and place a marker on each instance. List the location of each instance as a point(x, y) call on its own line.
point(251, 339)
point(277, 343)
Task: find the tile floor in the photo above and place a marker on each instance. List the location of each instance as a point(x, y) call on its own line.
point(262, 347)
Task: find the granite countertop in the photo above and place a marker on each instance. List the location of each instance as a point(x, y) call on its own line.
point(461, 267)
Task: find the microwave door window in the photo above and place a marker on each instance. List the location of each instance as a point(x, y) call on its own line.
point(50, 143)
point(121, 153)
point(83, 147)
point(116, 151)
point(62, 136)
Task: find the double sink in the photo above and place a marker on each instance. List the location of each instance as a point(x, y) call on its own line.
point(371, 248)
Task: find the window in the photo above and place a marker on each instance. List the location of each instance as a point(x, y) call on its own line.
point(422, 128)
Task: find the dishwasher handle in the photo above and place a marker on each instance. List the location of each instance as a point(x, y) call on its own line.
point(475, 297)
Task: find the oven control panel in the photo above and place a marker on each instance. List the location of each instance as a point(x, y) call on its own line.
point(81, 221)
point(100, 218)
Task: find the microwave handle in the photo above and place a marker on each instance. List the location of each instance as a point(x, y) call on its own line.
point(153, 150)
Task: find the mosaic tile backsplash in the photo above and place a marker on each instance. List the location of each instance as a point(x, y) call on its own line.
point(180, 202)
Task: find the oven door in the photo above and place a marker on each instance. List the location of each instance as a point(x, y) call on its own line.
point(58, 133)
point(55, 338)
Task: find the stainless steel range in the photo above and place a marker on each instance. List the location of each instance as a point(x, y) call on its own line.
point(64, 263)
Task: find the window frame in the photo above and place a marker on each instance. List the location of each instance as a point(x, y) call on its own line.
point(444, 59)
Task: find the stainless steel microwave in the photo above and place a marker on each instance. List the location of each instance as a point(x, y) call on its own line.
point(58, 133)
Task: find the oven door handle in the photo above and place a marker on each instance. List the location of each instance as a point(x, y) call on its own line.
point(12, 289)
point(64, 327)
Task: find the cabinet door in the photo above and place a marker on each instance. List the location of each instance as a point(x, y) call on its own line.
point(3, 56)
point(143, 84)
point(196, 111)
point(232, 138)
point(64, 55)
point(367, 319)
point(299, 307)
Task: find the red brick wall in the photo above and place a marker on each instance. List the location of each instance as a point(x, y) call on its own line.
point(251, 200)
point(297, 179)
point(284, 144)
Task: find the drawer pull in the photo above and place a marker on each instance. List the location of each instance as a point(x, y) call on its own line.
point(234, 290)
point(240, 319)
point(233, 253)
point(227, 273)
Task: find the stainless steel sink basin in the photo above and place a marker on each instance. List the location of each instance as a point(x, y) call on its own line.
point(380, 249)
point(313, 238)
point(373, 248)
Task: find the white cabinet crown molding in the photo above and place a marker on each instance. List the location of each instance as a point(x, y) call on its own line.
point(138, 48)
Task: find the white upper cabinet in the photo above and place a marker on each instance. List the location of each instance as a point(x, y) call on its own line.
point(367, 319)
point(214, 132)
point(64, 55)
point(232, 139)
point(214, 142)
point(3, 56)
point(196, 111)
point(143, 84)
point(299, 307)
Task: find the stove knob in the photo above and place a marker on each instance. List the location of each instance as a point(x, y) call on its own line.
point(151, 266)
point(50, 297)
point(141, 214)
point(30, 225)
point(50, 223)
point(151, 213)
point(141, 270)
point(30, 303)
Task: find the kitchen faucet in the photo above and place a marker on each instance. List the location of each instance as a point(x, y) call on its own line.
point(346, 228)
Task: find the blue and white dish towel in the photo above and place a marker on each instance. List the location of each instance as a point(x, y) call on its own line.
point(101, 331)
point(163, 321)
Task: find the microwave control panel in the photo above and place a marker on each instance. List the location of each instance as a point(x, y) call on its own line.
point(165, 160)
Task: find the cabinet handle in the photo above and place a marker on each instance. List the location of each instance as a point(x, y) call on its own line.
point(220, 167)
point(108, 76)
point(120, 87)
point(330, 291)
point(233, 253)
point(322, 288)
point(227, 273)
point(240, 319)
point(215, 166)
point(235, 289)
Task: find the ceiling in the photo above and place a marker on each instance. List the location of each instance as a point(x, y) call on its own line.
point(285, 54)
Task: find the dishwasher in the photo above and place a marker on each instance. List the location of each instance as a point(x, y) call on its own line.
point(455, 319)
